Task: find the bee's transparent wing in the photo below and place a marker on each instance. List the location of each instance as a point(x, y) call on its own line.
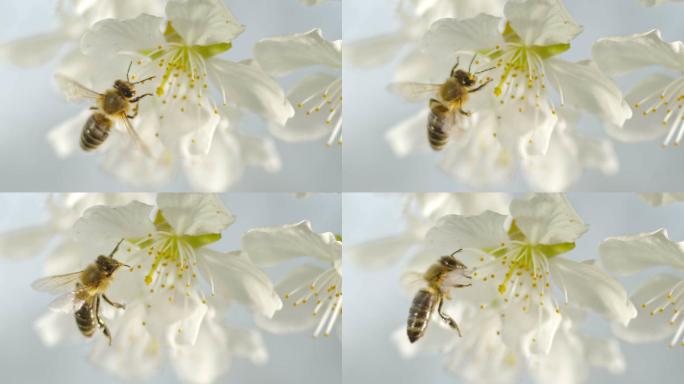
point(414, 91)
point(66, 303)
point(73, 90)
point(134, 135)
point(412, 282)
point(57, 283)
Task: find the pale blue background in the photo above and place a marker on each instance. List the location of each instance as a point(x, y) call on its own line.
point(370, 165)
point(294, 358)
point(30, 107)
point(375, 303)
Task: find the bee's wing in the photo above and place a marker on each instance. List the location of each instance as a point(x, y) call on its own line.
point(414, 91)
point(65, 303)
point(57, 283)
point(412, 282)
point(73, 90)
point(134, 135)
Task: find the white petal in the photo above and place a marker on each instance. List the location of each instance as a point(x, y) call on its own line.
point(55, 328)
point(33, 50)
point(208, 358)
point(259, 152)
point(272, 245)
point(620, 55)
point(589, 287)
point(452, 35)
point(26, 242)
point(135, 168)
point(175, 317)
point(303, 127)
point(134, 353)
point(647, 327)
point(67, 257)
point(104, 226)
point(584, 86)
point(203, 22)
point(453, 232)
point(380, 253)
point(250, 87)
point(248, 344)
point(194, 213)
point(436, 340)
point(235, 277)
point(218, 170)
point(660, 199)
point(188, 127)
point(525, 128)
point(548, 219)
point(541, 22)
point(604, 353)
point(632, 254)
point(373, 51)
point(409, 135)
point(110, 36)
point(290, 318)
point(651, 3)
point(64, 138)
point(284, 54)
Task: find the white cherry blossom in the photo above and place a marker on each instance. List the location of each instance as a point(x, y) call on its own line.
point(659, 299)
point(523, 55)
point(318, 97)
point(658, 199)
point(657, 99)
point(181, 52)
point(520, 270)
point(312, 288)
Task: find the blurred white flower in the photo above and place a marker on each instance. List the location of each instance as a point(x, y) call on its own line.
point(658, 299)
point(659, 199)
point(652, 3)
point(75, 17)
point(184, 61)
point(309, 288)
point(517, 264)
point(481, 356)
point(414, 16)
point(659, 97)
point(421, 211)
point(63, 211)
point(318, 97)
point(524, 60)
point(477, 158)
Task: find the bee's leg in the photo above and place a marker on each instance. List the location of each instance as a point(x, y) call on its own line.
point(135, 100)
point(447, 318)
point(460, 109)
point(479, 87)
point(455, 67)
point(93, 108)
point(113, 304)
point(101, 323)
point(135, 112)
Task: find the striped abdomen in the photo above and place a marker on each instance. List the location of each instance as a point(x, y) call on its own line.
point(437, 125)
point(419, 315)
point(86, 319)
point(95, 131)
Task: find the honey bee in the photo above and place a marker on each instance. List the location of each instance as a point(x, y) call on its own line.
point(448, 98)
point(83, 292)
point(442, 275)
point(114, 103)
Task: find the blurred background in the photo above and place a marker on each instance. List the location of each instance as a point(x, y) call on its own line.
point(32, 106)
point(293, 358)
point(376, 304)
point(370, 165)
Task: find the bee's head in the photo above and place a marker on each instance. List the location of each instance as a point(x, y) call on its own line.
point(464, 78)
point(126, 88)
point(452, 263)
point(107, 264)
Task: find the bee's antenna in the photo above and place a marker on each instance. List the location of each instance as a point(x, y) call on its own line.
point(111, 255)
point(484, 70)
point(144, 80)
point(472, 61)
point(457, 251)
point(129, 71)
